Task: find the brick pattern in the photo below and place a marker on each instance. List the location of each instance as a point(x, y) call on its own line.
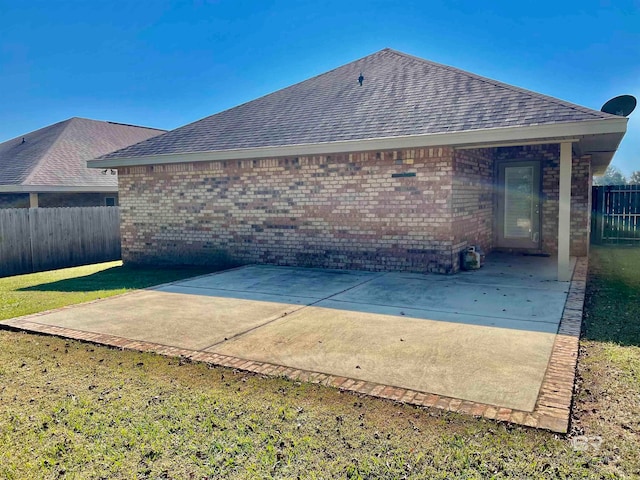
point(552, 410)
point(472, 199)
point(580, 205)
point(550, 201)
point(402, 210)
point(388, 210)
point(554, 400)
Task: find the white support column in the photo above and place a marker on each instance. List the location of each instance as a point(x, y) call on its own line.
point(33, 200)
point(564, 214)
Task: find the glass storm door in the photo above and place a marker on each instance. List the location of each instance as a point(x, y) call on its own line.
point(518, 208)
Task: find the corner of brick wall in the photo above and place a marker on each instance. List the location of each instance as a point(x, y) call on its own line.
point(473, 199)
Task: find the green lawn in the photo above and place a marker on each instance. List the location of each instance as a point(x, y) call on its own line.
point(76, 410)
point(608, 400)
point(36, 292)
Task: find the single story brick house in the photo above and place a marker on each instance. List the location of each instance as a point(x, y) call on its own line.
point(48, 167)
point(390, 162)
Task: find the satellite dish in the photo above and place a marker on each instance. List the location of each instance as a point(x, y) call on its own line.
point(622, 105)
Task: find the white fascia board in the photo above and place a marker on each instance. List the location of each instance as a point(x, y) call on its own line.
point(519, 143)
point(471, 137)
point(55, 189)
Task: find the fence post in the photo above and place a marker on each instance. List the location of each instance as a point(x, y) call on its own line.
point(29, 221)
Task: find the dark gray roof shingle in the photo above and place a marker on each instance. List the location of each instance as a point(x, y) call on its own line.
point(401, 95)
point(56, 155)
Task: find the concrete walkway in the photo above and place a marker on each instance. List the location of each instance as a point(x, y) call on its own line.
point(484, 336)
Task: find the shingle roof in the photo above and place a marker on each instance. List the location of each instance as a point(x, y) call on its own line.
point(56, 155)
point(401, 95)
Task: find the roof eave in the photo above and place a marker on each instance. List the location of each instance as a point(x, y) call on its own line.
point(554, 132)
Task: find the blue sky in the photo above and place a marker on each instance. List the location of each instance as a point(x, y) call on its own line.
point(164, 64)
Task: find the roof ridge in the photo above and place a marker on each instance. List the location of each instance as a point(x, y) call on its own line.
point(500, 84)
point(40, 161)
point(132, 125)
point(106, 122)
point(274, 91)
point(117, 123)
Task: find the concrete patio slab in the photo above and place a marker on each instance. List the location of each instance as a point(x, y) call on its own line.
point(500, 342)
point(518, 270)
point(471, 300)
point(186, 321)
point(452, 316)
point(306, 282)
point(491, 365)
point(238, 294)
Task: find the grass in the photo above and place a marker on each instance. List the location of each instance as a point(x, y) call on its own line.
point(608, 400)
point(36, 292)
point(76, 410)
point(613, 306)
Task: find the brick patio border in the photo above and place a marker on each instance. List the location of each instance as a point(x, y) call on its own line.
point(553, 406)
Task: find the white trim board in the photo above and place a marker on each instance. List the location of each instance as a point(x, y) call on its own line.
point(554, 133)
point(518, 144)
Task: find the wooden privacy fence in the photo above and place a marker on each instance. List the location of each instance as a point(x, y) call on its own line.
point(615, 214)
point(37, 239)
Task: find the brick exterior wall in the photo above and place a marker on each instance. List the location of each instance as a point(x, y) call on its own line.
point(550, 198)
point(550, 173)
point(386, 210)
point(581, 181)
point(404, 210)
point(51, 200)
point(472, 199)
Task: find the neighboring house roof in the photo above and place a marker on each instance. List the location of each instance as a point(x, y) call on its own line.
point(401, 97)
point(54, 157)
